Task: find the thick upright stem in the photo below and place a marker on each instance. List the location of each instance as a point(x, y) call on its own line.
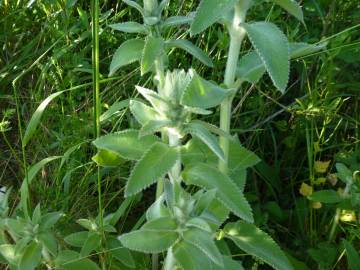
point(237, 34)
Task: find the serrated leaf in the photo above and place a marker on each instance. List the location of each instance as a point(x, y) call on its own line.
point(325, 196)
point(192, 49)
point(201, 93)
point(292, 7)
point(149, 241)
point(142, 112)
point(203, 240)
point(240, 157)
point(176, 21)
point(126, 144)
point(251, 68)
point(157, 161)
point(197, 130)
point(189, 256)
point(153, 126)
point(228, 193)
point(31, 257)
point(36, 117)
point(154, 47)
point(273, 48)
point(255, 242)
point(129, 27)
point(209, 12)
point(128, 52)
point(352, 255)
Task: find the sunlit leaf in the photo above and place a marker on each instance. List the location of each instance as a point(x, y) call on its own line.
point(257, 243)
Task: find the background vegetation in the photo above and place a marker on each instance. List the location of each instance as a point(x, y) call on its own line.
point(300, 136)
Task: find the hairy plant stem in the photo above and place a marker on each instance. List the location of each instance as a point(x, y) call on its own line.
point(237, 34)
point(97, 111)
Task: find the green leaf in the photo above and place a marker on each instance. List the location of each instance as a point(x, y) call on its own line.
point(36, 214)
point(149, 241)
point(300, 49)
point(203, 94)
point(31, 173)
point(126, 144)
point(8, 252)
point(255, 242)
point(157, 161)
point(157, 209)
point(241, 158)
point(229, 194)
point(153, 126)
point(209, 12)
point(292, 7)
point(143, 113)
point(120, 211)
point(49, 241)
point(229, 264)
point(31, 257)
point(176, 21)
point(119, 252)
point(353, 257)
point(161, 224)
point(116, 107)
point(158, 103)
point(192, 49)
point(76, 239)
point(250, 68)
point(325, 196)
point(107, 158)
point(48, 220)
point(203, 240)
point(135, 5)
point(273, 48)
point(36, 117)
point(154, 48)
point(189, 256)
point(87, 224)
point(91, 243)
point(128, 52)
point(344, 173)
point(197, 130)
point(69, 260)
point(129, 27)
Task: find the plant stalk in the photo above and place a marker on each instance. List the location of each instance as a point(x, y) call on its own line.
point(97, 109)
point(237, 34)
